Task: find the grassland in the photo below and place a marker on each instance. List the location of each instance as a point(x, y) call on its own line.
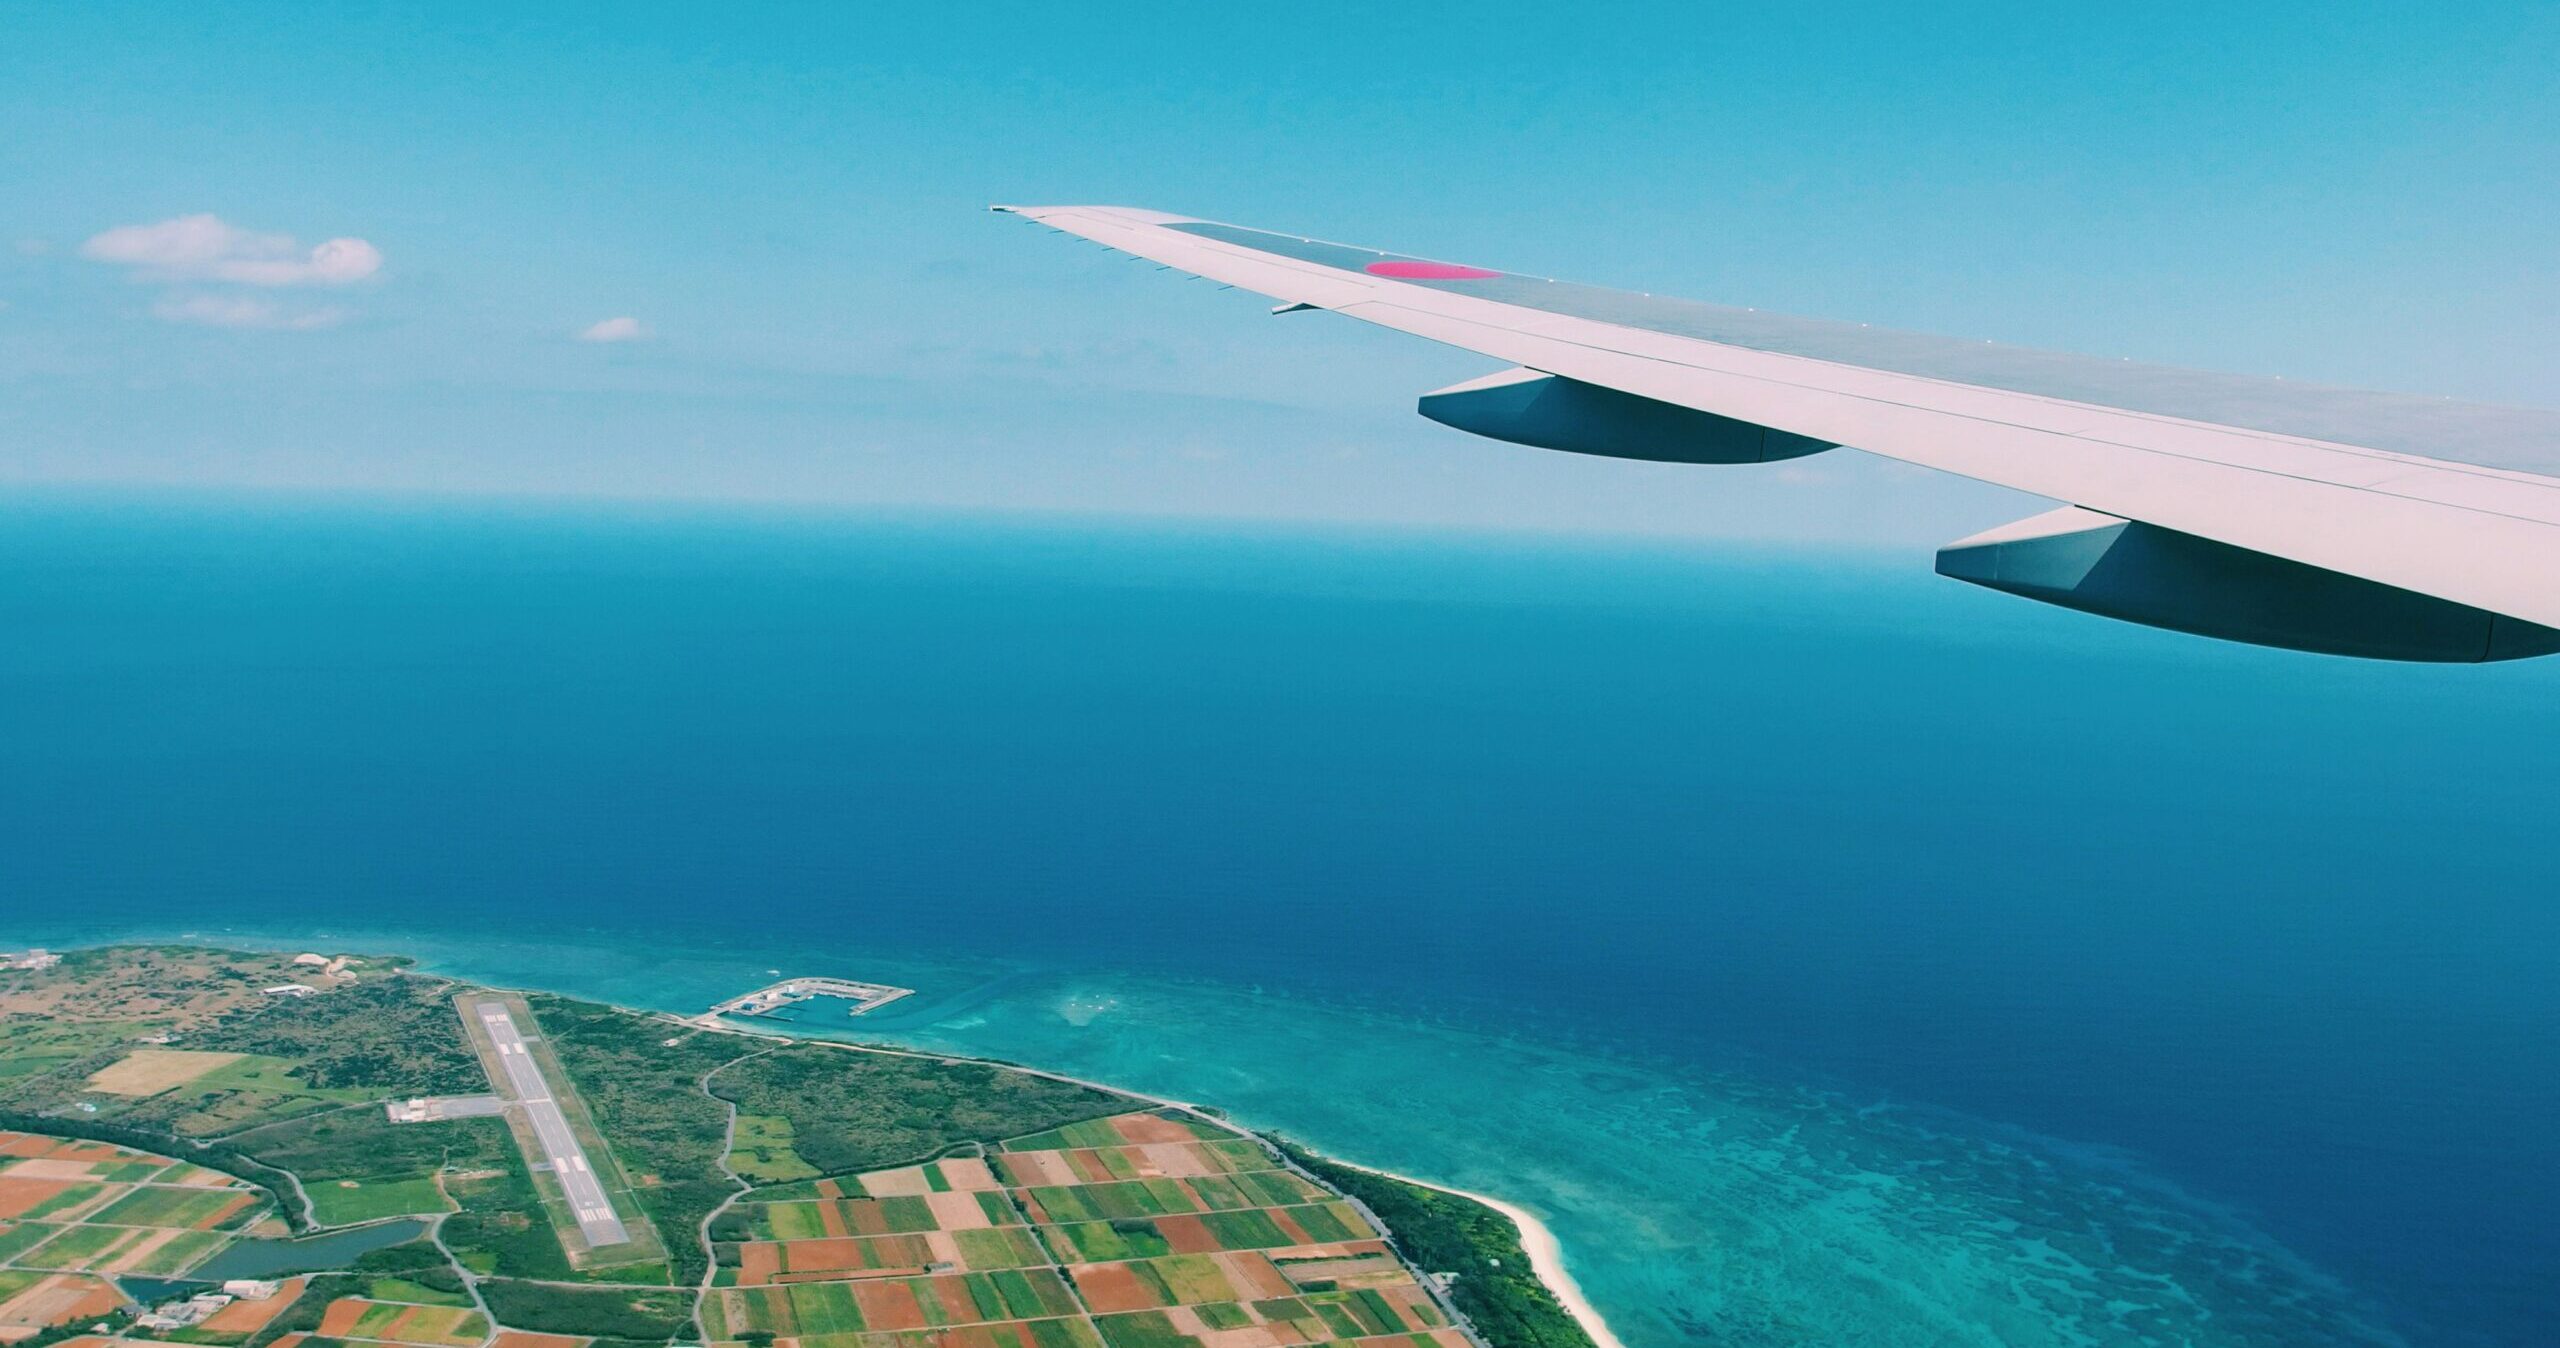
point(762, 1151)
point(347, 1202)
point(149, 1071)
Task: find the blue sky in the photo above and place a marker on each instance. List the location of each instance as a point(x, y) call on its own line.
point(786, 205)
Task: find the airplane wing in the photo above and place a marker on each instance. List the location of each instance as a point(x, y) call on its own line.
point(2258, 510)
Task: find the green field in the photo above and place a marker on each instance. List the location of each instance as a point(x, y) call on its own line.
point(1193, 1278)
point(401, 1289)
point(1127, 1198)
point(762, 1152)
point(16, 1238)
point(1245, 1229)
point(642, 1314)
point(857, 1216)
point(77, 1247)
point(72, 1199)
point(445, 1323)
point(1000, 1247)
point(1107, 1242)
point(1140, 1329)
point(345, 1202)
point(183, 1252)
point(152, 1206)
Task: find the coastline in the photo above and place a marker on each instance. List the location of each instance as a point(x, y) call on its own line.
point(1538, 1244)
point(1633, 1259)
point(1546, 1253)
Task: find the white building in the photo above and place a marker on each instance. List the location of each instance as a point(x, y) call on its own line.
point(180, 1314)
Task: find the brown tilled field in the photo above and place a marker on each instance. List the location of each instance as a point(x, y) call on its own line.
point(149, 1071)
point(1149, 1128)
point(889, 1305)
point(248, 1317)
point(57, 1299)
point(1113, 1287)
point(516, 1338)
point(18, 1195)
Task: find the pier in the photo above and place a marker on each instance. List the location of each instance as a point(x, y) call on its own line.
point(765, 1001)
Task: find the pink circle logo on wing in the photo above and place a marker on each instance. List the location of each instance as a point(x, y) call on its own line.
point(1427, 271)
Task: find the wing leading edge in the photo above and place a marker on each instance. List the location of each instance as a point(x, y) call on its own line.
point(2255, 510)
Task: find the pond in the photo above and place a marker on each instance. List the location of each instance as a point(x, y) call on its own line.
point(275, 1258)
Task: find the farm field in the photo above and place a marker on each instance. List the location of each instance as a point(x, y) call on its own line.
point(364, 1319)
point(800, 1221)
point(1140, 1230)
point(76, 1215)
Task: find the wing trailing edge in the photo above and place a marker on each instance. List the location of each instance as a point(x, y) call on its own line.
point(2256, 511)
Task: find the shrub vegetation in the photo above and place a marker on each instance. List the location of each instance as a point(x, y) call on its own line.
point(1443, 1233)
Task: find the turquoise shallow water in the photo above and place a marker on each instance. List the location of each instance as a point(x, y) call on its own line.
point(1834, 953)
point(1694, 1207)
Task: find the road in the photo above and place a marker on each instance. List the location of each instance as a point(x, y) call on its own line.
point(596, 1219)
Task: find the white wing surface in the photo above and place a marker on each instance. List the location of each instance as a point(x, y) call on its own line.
point(2251, 509)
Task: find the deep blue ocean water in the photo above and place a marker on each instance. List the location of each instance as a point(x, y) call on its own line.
point(1832, 952)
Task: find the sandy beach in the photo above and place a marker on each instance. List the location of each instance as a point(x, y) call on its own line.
point(1546, 1253)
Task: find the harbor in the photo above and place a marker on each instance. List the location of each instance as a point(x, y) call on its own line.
point(771, 998)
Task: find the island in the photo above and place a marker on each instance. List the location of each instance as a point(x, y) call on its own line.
point(302, 1149)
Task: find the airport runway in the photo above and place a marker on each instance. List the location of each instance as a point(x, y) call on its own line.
point(596, 1220)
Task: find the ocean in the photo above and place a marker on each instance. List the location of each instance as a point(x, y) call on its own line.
point(1831, 953)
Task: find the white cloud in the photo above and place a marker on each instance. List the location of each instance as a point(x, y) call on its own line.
point(616, 330)
point(243, 311)
point(206, 248)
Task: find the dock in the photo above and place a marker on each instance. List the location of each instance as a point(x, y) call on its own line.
point(766, 1000)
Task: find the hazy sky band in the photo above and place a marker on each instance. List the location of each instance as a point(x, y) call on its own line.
point(749, 259)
